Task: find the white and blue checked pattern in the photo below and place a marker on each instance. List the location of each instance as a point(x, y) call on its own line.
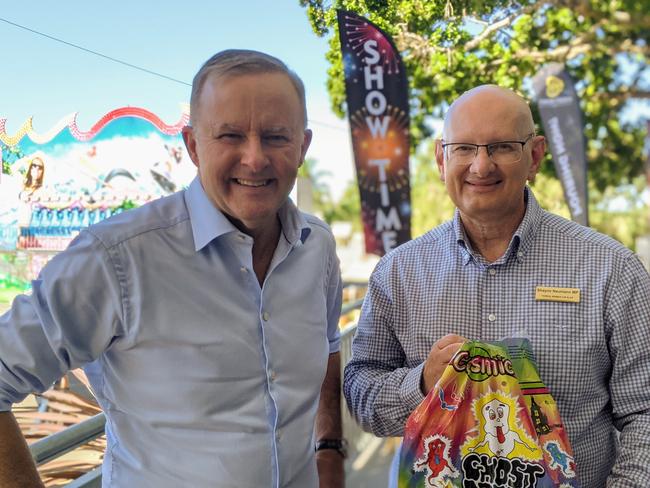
point(593, 355)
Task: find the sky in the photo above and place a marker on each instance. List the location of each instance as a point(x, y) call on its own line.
point(49, 80)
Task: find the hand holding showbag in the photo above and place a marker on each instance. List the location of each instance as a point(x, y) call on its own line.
point(489, 422)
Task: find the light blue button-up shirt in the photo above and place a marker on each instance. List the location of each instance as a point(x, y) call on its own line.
point(206, 378)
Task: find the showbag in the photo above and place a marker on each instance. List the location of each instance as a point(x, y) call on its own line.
point(490, 422)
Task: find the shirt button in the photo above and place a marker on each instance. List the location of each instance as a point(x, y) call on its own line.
point(278, 435)
point(492, 317)
point(492, 271)
point(520, 254)
point(242, 237)
point(266, 316)
point(243, 270)
point(273, 376)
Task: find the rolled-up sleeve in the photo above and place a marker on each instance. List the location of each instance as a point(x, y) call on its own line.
point(73, 313)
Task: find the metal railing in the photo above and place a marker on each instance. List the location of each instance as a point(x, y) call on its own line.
point(357, 438)
point(56, 445)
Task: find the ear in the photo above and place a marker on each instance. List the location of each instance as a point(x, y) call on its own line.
point(537, 155)
point(440, 158)
point(190, 144)
point(306, 141)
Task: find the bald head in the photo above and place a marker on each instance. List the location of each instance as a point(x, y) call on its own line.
point(494, 104)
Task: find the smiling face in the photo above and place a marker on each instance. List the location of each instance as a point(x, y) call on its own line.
point(248, 141)
point(483, 191)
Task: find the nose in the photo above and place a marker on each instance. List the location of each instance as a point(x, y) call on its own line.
point(253, 155)
point(482, 165)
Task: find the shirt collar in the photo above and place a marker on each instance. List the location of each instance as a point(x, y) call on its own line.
point(461, 238)
point(295, 228)
point(521, 239)
point(208, 222)
point(528, 226)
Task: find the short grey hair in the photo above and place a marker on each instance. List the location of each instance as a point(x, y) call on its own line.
point(237, 62)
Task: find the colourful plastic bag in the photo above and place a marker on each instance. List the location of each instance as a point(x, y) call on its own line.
point(489, 423)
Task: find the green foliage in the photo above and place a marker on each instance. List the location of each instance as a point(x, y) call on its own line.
point(320, 191)
point(347, 209)
point(451, 46)
point(128, 204)
point(429, 201)
point(12, 281)
point(618, 212)
point(9, 155)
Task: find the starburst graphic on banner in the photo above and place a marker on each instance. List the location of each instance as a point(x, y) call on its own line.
point(358, 32)
point(393, 146)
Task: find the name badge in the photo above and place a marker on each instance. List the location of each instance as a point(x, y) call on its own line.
point(555, 294)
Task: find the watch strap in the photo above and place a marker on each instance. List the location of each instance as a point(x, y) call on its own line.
point(339, 445)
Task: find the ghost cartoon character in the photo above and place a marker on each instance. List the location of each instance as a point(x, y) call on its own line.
point(435, 461)
point(499, 438)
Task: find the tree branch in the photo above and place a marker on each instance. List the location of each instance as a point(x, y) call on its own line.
point(624, 94)
point(500, 24)
point(417, 45)
point(580, 45)
point(420, 47)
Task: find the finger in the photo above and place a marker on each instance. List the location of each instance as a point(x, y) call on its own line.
point(449, 339)
point(443, 356)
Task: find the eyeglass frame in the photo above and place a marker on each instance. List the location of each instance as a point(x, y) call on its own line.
point(487, 147)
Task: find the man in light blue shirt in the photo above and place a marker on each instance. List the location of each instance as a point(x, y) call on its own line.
point(207, 320)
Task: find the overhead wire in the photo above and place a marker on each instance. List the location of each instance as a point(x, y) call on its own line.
point(124, 63)
point(140, 68)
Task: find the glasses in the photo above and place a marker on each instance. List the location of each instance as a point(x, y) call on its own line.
point(502, 152)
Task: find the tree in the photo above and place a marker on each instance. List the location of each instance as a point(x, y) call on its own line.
point(429, 201)
point(451, 46)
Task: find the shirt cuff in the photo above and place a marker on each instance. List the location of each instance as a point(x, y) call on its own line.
point(5, 405)
point(410, 391)
point(335, 345)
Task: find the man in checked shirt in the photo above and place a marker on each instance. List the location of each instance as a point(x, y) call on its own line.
point(476, 277)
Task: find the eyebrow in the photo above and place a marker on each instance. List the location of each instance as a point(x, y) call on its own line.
point(228, 126)
point(225, 126)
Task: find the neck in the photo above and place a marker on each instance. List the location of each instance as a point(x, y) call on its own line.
point(490, 237)
point(265, 242)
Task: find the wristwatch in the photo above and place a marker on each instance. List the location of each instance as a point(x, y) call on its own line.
point(339, 445)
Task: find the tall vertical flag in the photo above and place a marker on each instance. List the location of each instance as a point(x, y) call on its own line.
point(377, 102)
point(559, 108)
